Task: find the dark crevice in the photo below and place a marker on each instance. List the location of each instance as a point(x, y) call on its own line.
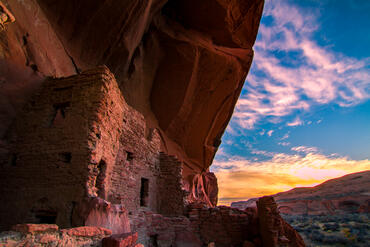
point(34, 67)
point(25, 41)
point(99, 184)
point(78, 71)
point(72, 211)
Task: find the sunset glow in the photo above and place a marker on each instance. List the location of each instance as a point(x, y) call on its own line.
point(241, 179)
point(303, 114)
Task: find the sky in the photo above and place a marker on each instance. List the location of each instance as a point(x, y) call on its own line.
point(303, 116)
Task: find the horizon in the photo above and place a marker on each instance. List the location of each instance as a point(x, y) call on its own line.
point(302, 115)
point(302, 187)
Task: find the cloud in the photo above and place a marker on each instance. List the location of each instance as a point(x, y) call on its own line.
point(303, 149)
point(292, 72)
point(297, 121)
point(242, 178)
point(269, 133)
point(284, 144)
point(286, 136)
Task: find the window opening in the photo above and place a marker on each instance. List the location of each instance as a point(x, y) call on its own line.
point(144, 192)
point(65, 157)
point(130, 156)
point(46, 217)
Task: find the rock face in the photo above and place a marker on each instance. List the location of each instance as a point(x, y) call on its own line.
point(50, 235)
point(180, 63)
point(274, 230)
point(347, 194)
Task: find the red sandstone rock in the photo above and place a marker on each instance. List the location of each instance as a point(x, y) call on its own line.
point(32, 228)
point(48, 235)
point(273, 229)
point(121, 240)
point(87, 231)
point(203, 189)
point(147, 45)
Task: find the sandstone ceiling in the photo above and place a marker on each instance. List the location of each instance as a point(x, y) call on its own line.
point(182, 63)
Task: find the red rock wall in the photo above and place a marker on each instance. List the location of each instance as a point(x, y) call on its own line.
point(202, 188)
point(50, 235)
point(181, 68)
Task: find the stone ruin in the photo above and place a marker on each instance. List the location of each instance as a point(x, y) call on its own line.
point(76, 141)
point(80, 156)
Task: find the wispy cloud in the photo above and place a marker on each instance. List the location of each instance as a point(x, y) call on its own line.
point(269, 133)
point(242, 178)
point(284, 144)
point(303, 149)
point(285, 136)
point(297, 121)
point(292, 72)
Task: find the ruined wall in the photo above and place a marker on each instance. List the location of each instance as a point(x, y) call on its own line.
point(53, 160)
point(71, 143)
point(78, 140)
point(172, 195)
point(137, 161)
point(222, 225)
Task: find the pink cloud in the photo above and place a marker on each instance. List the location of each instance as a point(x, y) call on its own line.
point(322, 75)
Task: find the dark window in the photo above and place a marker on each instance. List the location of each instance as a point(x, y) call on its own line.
point(46, 217)
point(153, 240)
point(130, 156)
point(144, 192)
point(59, 112)
point(13, 160)
point(65, 157)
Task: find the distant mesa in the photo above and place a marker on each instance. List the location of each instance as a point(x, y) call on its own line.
point(344, 195)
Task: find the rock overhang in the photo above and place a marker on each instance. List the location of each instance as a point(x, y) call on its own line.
point(182, 64)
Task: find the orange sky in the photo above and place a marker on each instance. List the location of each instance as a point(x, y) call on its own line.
point(248, 179)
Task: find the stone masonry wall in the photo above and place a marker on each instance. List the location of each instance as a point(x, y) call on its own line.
point(77, 139)
point(137, 159)
point(57, 144)
point(222, 225)
point(170, 185)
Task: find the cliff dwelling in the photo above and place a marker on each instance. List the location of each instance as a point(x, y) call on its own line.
point(111, 116)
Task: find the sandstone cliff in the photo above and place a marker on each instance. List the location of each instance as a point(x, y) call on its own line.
point(181, 63)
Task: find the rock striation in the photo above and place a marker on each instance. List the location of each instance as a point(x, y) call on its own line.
point(180, 63)
point(344, 195)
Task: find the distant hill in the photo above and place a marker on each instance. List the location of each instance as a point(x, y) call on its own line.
point(347, 194)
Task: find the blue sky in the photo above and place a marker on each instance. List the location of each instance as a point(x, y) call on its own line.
point(304, 112)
